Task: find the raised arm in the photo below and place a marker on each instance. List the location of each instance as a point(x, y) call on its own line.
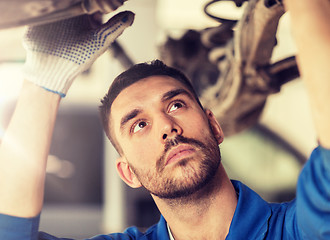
point(56, 54)
point(311, 31)
point(24, 151)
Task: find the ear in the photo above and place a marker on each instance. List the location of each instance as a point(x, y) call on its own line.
point(126, 173)
point(215, 126)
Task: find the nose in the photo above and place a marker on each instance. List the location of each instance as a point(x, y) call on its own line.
point(169, 128)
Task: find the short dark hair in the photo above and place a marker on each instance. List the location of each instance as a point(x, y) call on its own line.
point(131, 76)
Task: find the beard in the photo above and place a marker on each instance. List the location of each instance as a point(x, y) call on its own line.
point(188, 175)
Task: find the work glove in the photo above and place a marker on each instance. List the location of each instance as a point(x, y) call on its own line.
point(59, 51)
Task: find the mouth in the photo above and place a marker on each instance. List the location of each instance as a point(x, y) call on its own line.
point(178, 153)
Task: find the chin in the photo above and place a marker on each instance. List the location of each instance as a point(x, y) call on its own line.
point(193, 178)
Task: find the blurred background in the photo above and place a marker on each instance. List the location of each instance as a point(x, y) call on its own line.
point(83, 195)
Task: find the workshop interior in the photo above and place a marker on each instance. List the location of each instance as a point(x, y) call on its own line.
point(238, 54)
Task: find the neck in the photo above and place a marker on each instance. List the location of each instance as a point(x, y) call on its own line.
point(205, 215)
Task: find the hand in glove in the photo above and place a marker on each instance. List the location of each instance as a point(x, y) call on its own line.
point(58, 52)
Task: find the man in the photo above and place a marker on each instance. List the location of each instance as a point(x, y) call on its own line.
point(168, 143)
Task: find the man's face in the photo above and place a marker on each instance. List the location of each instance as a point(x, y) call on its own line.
point(168, 143)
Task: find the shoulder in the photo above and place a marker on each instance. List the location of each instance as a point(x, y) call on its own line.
point(131, 233)
point(313, 194)
point(157, 231)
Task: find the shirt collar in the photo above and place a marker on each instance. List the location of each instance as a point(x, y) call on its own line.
point(250, 218)
point(162, 229)
point(251, 215)
point(169, 232)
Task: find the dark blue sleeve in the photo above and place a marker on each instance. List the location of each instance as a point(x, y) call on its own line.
point(313, 196)
point(13, 228)
point(16, 228)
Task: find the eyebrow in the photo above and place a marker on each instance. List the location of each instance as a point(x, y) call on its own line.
point(132, 114)
point(167, 96)
point(173, 93)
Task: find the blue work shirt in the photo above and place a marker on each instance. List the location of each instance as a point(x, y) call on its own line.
point(306, 217)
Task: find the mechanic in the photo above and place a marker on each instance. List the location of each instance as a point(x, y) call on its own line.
point(167, 142)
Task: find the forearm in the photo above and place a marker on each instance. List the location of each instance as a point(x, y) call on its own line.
point(311, 31)
point(24, 151)
point(56, 54)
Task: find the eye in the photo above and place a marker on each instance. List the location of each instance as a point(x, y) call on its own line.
point(176, 105)
point(138, 126)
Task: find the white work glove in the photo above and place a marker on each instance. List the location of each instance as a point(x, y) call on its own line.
point(58, 52)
